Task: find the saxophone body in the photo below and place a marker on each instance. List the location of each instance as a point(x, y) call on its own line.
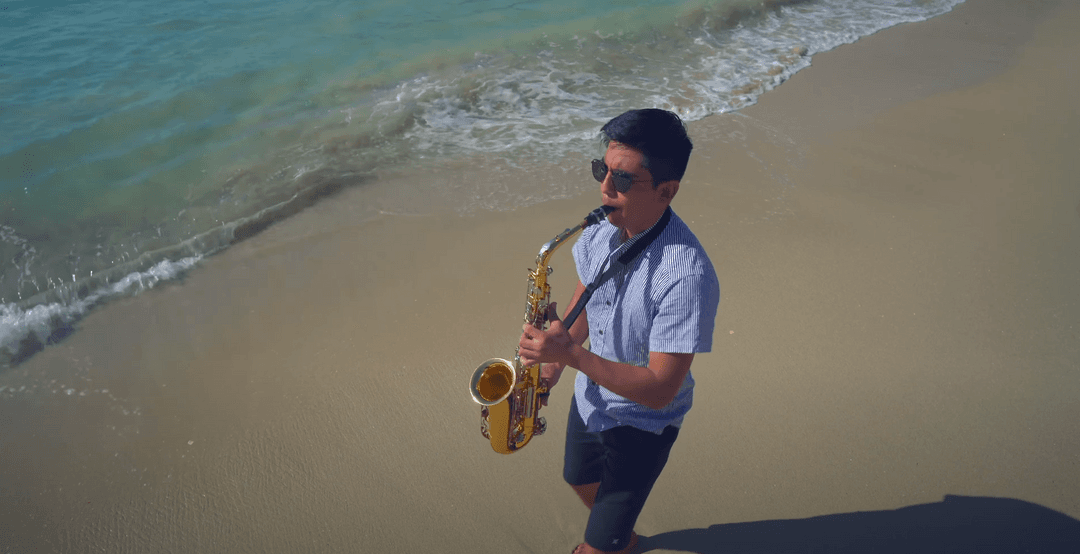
point(509, 394)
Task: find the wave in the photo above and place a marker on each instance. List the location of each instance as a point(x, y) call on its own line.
point(25, 332)
point(171, 179)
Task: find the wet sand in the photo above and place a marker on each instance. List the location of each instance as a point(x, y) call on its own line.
point(896, 231)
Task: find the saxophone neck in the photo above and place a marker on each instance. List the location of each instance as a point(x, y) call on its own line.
point(593, 217)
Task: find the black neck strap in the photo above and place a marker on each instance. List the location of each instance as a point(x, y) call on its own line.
point(622, 262)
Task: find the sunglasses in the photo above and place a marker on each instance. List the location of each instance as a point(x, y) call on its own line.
point(621, 179)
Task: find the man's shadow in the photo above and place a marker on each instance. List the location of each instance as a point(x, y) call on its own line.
point(957, 524)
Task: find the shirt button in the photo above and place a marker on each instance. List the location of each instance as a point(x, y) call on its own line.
point(608, 302)
point(601, 332)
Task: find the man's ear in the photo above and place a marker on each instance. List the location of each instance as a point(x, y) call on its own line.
point(668, 190)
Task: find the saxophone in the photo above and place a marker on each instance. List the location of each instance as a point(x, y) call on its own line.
point(509, 394)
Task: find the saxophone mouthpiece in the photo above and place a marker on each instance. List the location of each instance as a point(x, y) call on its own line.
point(598, 215)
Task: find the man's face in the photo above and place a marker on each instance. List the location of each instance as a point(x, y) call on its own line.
point(638, 208)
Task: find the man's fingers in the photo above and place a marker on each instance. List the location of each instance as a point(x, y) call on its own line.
point(553, 312)
point(528, 332)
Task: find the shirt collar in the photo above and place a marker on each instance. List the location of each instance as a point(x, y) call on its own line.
point(617, 247)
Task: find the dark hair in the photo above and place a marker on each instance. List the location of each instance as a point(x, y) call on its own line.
point(660, 136)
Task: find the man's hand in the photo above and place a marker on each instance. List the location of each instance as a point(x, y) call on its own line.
point(551, 346)
point(549, 376)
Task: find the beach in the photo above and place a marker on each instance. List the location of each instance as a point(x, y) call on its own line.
point(896, 232)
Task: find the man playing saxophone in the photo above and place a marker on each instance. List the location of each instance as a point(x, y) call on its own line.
point(645, 318)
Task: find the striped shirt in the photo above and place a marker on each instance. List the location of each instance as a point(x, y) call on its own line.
point(663, 301)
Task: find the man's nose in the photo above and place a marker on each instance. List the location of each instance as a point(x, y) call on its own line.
point(607, 187)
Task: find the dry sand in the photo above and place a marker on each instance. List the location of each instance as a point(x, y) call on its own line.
point(896, 365)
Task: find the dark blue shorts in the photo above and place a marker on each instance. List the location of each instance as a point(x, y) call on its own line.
point(626, 462)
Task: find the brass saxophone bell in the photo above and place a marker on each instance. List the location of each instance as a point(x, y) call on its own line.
point(493, 381)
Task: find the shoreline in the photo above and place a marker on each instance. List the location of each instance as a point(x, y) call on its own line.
point(186, 192)
point(253, 407)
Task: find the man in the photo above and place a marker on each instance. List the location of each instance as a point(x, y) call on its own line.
point(644, 323)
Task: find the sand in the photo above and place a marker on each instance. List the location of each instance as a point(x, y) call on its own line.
point(895, 367)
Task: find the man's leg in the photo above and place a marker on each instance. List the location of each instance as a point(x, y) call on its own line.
point(583, 459)
point(587, 493)
point(633, 460)
point(584, 464)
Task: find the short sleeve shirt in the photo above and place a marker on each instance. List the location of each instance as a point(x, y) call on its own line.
point(663, 301)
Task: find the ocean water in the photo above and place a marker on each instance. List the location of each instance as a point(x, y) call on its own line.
point(138, 137)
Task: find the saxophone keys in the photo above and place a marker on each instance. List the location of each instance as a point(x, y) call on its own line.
point(485, 426)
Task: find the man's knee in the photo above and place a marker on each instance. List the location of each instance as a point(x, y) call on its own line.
point(587, 493)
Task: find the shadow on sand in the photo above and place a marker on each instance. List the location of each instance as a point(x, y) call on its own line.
point(957, 524)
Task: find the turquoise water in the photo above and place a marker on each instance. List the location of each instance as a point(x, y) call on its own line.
point(138, 137)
